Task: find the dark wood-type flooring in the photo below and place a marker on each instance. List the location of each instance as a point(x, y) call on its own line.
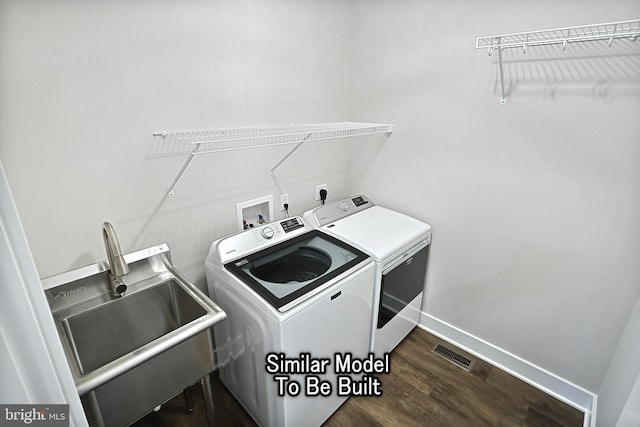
point(422, 389)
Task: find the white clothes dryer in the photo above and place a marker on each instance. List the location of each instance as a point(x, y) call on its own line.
point(399, 246)
point(292, 291)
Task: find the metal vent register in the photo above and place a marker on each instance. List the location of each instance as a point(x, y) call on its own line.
point(453, 357)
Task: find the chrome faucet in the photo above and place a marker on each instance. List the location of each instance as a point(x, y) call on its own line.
point(117, 264)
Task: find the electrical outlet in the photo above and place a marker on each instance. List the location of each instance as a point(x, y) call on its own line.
point(318, 188)
point(284, 200)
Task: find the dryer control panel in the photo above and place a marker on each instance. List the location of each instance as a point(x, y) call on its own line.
point(329, 213)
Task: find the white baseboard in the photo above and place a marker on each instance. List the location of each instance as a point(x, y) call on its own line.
point(536, 376)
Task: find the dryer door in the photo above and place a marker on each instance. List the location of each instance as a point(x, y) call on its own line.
point(401, 284)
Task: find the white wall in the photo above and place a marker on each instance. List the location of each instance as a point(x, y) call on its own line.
point(85, 84)
point(534, 204)
point(619, 393)
point(630, 415)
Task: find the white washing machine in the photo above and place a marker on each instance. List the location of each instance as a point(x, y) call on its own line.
point(399, 246)
point(295, 292)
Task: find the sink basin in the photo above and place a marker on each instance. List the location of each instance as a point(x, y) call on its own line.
point(116, 328)
point(130, 353)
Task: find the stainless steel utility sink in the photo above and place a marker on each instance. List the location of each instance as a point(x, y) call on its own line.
point(116, 328)
point(133, 352)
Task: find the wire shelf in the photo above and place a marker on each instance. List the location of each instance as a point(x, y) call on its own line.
point(231, 139)
point(563, 36)
point(608, 31)
point(217, 140)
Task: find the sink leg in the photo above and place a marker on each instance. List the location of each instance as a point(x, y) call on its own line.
point(95, 408)
point(188, 400)
point(208, 399)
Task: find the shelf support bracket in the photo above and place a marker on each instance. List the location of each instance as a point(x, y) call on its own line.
point(564, 43)
point(170, 192)
point(277, 165)
point(501, 74)
point(612, 35)
point(298, 145)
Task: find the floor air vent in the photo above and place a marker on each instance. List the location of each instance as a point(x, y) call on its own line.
point(453, 357)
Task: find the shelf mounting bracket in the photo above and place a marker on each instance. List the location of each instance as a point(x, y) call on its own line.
point(501, 74)
point(298, 145)
point(170, 192)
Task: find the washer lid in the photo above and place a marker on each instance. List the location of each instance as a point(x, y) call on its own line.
point(294, 270)
point(379, 231)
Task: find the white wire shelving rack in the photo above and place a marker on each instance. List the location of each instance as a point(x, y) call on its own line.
point(557, 36)
point(231, 139)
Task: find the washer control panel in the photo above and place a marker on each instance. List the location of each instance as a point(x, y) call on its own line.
point(335, 211)
point(291, 224)
point(257, 238)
